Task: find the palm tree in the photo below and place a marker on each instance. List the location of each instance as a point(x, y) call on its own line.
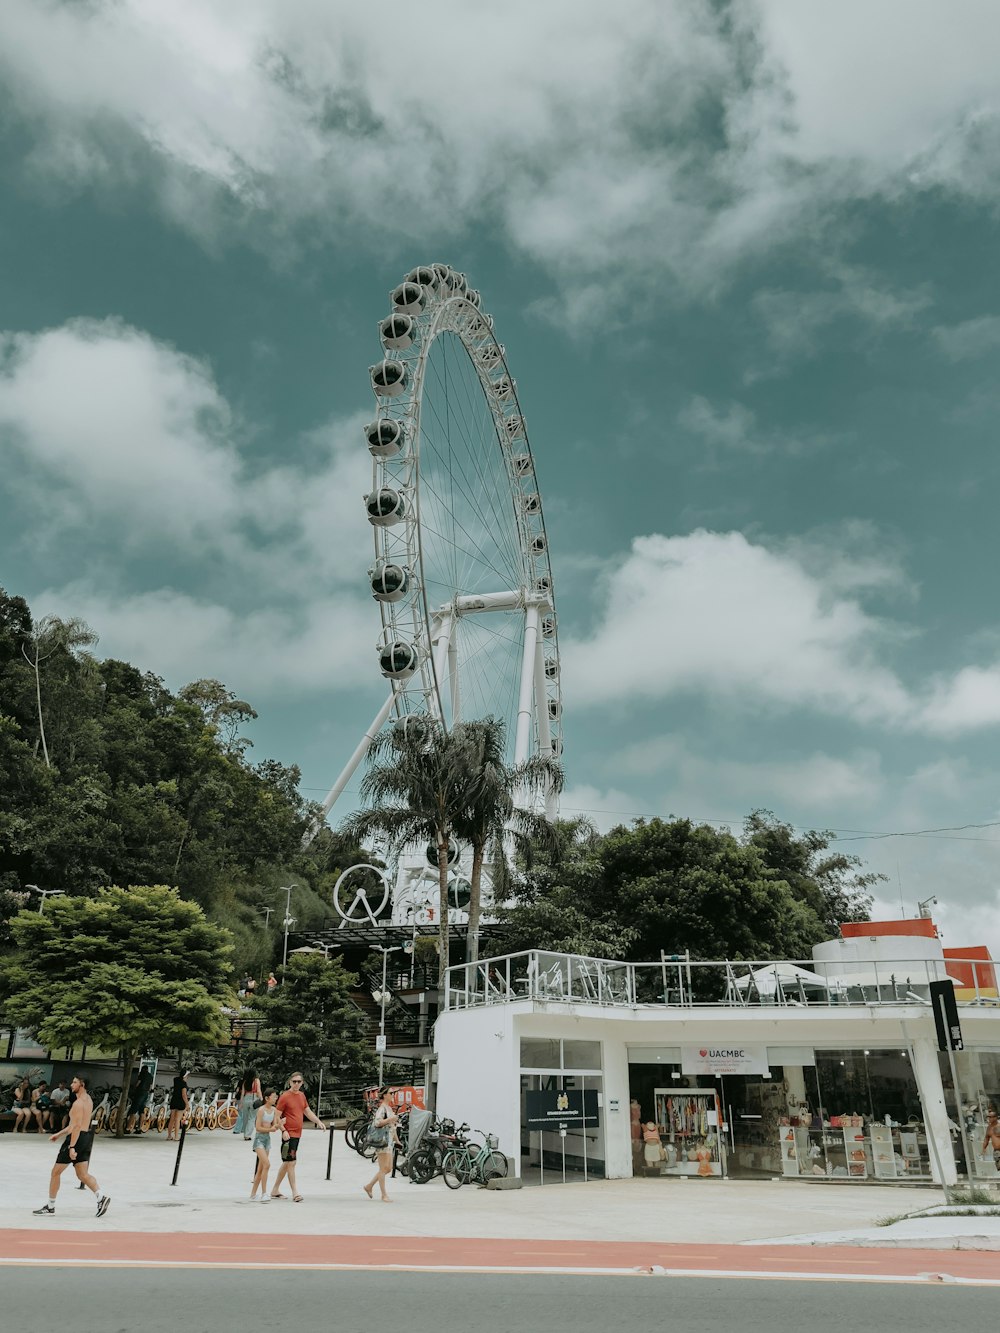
point(48, 636)
point(417, 783)
point(491, 820)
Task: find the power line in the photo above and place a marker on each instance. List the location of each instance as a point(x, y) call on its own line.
point(852, 834)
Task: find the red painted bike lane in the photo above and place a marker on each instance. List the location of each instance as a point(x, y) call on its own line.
point(216, 1249)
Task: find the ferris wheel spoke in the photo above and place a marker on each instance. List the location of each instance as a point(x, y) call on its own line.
point(481, 428)
point(475, 494)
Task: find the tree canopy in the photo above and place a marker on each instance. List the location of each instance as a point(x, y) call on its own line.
point(673, 885)
point(136, 968)
point(108, 777)
point(310, 1023)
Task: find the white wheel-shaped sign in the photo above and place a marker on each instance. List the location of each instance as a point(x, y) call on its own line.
point(462, 573)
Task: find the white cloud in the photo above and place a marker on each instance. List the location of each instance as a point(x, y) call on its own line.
point(115, 419)
point(714, 786)
point(713, 613)
point(735, 429)
point(324, 643)
point(970, 339)
point(130, 440)
point(604, 806)
point(968, 699)
point(584, 137)
point(779, 627)
point(128, 443)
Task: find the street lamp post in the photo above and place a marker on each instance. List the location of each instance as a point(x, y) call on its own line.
point(289, 920)
point(267, 916)
point(385, 951)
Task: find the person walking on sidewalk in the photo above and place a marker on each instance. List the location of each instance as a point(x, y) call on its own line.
point(991, 1139)
point(75, 1151)
point(293, 1107)
point(179, 1102)
point(250, 1098)
point(267, 1119)
point(382, 1137)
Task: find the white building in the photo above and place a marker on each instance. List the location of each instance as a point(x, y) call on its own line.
point(587, 1068)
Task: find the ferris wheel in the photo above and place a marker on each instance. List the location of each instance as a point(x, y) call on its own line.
point(461, 572)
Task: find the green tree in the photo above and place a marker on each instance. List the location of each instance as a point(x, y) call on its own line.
point(552, 906)
point(668, 885)
point(135, 968)
point(491, 817)
point(833, 884)
point(312, 1024)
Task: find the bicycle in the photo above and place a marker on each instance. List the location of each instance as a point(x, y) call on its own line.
point(425, 1162)
point(356, 1133)
point(223, 1114)
point(462, 1166)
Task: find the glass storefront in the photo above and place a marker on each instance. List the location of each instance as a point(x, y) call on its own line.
point(562, 1110)
point(832, 1114)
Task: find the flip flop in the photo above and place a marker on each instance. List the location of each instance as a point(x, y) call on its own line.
point(279, 1196)
point(296, 1198)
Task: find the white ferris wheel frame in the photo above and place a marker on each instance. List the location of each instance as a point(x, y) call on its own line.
point(448, 305)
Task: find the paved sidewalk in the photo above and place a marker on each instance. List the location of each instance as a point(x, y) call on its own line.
point(216, 1170)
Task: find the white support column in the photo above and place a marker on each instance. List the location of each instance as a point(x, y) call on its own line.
point(541, 700)
point(456, 692)
point(349, 769)
point(544, 727)
point(441, 643)
point(522, 738)
point(927, 1073)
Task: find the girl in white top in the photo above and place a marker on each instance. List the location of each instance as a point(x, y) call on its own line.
point(268, 1119)
point(385, 1117)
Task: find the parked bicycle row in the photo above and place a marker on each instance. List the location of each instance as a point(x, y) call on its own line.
point(423, 1146)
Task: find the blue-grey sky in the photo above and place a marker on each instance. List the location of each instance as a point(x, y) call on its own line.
point(743, 257)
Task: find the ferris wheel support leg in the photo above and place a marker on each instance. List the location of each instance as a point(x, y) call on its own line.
point(441, 637)
point(456, 693)
point(522, 739)
point(349, 769)
point(544, 727)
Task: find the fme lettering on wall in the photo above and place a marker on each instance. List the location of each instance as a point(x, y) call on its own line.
point(716, 1060)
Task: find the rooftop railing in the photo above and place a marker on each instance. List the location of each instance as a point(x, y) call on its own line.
point(543, 976)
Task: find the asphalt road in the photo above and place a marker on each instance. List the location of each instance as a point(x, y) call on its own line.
point(139, 1300)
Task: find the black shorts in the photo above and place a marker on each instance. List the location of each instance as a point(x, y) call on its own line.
point(83, 1147)
point(290, 1150)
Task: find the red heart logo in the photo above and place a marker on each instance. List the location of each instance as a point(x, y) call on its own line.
point(703, 1054)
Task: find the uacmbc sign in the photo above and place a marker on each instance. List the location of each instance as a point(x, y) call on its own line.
point(715, 1060)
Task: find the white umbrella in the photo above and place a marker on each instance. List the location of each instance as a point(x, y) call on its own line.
point(767, 979)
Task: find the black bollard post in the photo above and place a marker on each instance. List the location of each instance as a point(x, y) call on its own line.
point(180, 1149)
point(329, 1155)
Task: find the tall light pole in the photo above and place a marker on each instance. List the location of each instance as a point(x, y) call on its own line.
point(267, 916)
point(286, 889)
point(385, 951)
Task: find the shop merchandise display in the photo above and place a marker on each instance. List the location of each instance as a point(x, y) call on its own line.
point(687, 1125)
point(842, 1148)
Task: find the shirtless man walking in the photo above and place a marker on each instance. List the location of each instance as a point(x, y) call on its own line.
point(75, 1151)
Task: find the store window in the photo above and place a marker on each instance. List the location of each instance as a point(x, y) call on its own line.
point(562, 1110)
point(581, 1054)
point(541, 1053)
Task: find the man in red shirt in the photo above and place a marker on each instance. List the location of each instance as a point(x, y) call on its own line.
point(292, 1107)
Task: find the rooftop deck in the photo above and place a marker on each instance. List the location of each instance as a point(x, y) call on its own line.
point(542, 976)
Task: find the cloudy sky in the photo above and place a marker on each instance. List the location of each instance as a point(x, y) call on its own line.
point(743, 257)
